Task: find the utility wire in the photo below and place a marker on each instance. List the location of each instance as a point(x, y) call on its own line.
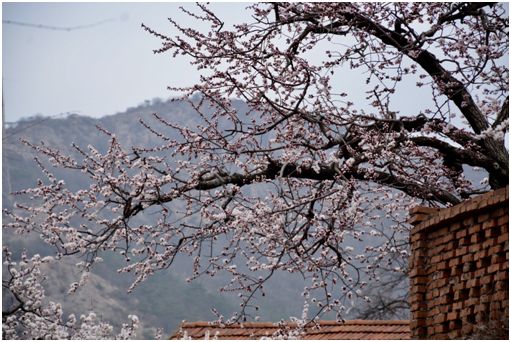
point(36, 123)
point(56, 28)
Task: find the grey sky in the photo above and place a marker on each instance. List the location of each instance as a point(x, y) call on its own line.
point(95, 71)
point(105, 69)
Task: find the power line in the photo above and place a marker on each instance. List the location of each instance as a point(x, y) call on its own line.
point(56, 28)
point(36, 123)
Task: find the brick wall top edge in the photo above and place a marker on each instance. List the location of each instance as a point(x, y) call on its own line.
point(423, 217)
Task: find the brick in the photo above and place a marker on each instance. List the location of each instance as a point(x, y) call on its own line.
point(423, 210)
point(436, 258)
point(416, 237)
point(454, 262)
point(492, 232)
point(457, 271)
point(489, 223)
point(467, 311)
point(471, 302)
point(441, 328)
point(420, 253)
point(472, 205)
point(489, 243)
point(449, 254)
point(495, 249)
point(419, 280)
point(434, 311)
point(480, 255)
point(459, 286)
point(482, 316)
point(416, 322)
point(468, 267)
point(445, 240)
point(421, 244)
point(440, 318)
point(476, 228)
point(454, 325)
point(495, 306)
point(472, 283)
point(417, 272)
point(454, 334)
point(486, 299)
point(420, 289)
point(468, 221)
point(461, 251)
point(499, 212)
point(461, 295)
point(504, 228)
point(483, 218)
point(420, 314)
point(467, 329)
point(442, 265)
point(416, 298)
point(467, 258)
point(496, 268)
point(445, 291)
point(419, 333)
point(495, 315)
point(461, 233)
point(452, 245)
point(476, 238)
point(479, 273)
point(487, 288)
point(465, 241)
point(498, 258)
point(475, 248)
point(418, 218)
point(431, 331)
point(418, 306)
point(434, 293)
point(442, 282)
point(503, 238)
point(504, 220)
point(475, 292)
point(453, 315)
point(454, 226)
point(457, 306)
point(500, 296)
point(486, 280)
point(501, 276)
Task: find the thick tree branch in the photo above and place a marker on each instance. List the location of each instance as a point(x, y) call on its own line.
point(462, 156)
point(326, 172)
point(503, 114)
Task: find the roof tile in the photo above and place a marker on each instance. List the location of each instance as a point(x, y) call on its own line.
point(331, 330)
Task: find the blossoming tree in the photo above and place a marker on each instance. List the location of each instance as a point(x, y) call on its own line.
point(29, 315)
point(311, 166)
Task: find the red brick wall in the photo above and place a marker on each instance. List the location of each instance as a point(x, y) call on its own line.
point(459, 267)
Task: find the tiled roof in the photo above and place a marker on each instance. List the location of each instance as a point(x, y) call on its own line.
point(328, 330)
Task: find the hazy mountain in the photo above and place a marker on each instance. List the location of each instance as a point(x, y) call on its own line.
point(165, 299)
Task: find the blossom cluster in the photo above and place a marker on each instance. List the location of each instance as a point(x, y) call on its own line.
point(29, 315)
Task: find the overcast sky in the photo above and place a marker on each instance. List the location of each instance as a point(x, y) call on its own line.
point(106, 68)
point(94, 71)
